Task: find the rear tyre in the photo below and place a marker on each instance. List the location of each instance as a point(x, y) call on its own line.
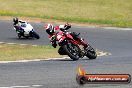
point(73, 54)
point(19, 36)
point(61, 51)
point(91, 54)
point(27, 37)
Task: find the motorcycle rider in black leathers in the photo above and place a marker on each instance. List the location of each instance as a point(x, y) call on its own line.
point(17, 23)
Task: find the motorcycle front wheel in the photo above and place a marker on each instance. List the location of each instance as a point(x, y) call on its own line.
point(91, 54)
point(35, 35)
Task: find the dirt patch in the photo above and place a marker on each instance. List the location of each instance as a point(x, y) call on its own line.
point(39, 20)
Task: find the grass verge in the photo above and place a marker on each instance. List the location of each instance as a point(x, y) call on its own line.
point(26, 52)
point(110, 12)
point(16, 52)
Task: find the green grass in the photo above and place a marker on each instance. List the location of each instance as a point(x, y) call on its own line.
point(14, 52)
point(111, 12)
point(26, 52)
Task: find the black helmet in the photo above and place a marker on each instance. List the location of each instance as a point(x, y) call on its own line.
point(15, 20)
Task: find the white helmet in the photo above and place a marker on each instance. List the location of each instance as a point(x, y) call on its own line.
point(49, 28)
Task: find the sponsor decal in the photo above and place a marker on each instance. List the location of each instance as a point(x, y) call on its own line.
point(83, 78)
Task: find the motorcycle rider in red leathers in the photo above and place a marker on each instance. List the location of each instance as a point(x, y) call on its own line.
point(51, 30)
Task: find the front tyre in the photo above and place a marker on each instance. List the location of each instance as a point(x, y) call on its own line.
point(35, 35)
point(71, 51)
point(91, 54)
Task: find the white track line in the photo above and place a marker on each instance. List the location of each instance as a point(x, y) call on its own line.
point(116, 28)
point(2, 42)
point(23, 44)
point(19, 86)
point(104, 53)
point(22, 61)
point(32, 86)
point(100, 54)
point(34, 45)
point(11, 43)
point(37, 85)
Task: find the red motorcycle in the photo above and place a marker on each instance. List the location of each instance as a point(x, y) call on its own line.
point(75, 49)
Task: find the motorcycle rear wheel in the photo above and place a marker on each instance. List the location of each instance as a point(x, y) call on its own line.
point(69, 52)
point(19, 36)
point(61, 51)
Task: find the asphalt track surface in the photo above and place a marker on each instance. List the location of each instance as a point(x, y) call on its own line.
point(62, 73)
